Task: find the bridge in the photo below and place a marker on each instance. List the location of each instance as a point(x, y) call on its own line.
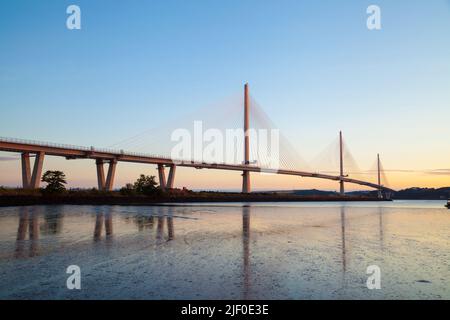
point(31, 178)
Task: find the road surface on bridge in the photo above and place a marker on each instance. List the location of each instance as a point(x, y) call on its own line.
point(78, 152)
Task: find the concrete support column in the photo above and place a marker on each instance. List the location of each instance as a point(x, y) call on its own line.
point(106, 185)
point(380, 193)
point(246, 188)
point(171, 178)
point(341, 188)
point(162, 177)
point(111, 174)
point(246, 182)
point(100, 174)
point(37, 170)
point(341, 164)
point(26, 170)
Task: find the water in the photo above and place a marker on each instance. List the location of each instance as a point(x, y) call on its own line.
point(227, 251)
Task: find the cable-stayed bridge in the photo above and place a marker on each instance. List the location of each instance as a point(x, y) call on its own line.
point(249, 160)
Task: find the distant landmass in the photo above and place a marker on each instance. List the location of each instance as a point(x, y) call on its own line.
point(423, 193)
point(407, 194)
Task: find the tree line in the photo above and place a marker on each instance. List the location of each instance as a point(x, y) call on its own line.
point(145, 185)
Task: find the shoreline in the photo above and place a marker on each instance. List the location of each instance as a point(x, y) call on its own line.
point(28, 200)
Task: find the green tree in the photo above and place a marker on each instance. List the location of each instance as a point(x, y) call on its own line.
point(55, 181)
point(145, 184)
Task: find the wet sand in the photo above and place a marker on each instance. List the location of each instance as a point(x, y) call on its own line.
point(227, 251)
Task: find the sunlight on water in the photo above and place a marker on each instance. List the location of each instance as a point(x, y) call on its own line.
point(227, 251)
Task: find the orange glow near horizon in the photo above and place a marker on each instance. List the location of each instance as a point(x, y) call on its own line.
point(82, 174)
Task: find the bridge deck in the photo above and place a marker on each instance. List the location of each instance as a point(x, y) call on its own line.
point(78, 152)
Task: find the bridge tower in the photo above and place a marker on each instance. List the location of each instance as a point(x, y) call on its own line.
point(341, 161)
point(246, 188)
point(380, 193)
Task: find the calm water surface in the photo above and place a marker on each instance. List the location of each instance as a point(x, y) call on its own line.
point(227, 251)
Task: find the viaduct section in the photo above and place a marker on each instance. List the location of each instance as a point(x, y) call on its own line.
point(31, 176)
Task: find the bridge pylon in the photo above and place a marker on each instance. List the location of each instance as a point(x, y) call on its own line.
point(341, 164)
point(380, 193)
point(246, 187)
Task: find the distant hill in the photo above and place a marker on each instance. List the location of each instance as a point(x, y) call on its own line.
point(423, 193)
point(414, 193)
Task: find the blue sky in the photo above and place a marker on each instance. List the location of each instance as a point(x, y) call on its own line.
point(313, 65)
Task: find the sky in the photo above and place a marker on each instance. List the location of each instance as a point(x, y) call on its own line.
point(313, 65)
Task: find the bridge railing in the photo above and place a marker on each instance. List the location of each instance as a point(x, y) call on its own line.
point(102, 150)
point(78, 148)
point(43, 143)
point(110, 151)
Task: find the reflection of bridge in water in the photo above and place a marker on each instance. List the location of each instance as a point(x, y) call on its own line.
point(34, 220)
point(247, 237)
point(143, 222)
